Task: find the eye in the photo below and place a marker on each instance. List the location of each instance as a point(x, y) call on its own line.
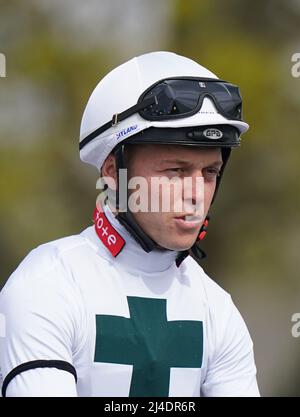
point(178, 170)
point(211, 173)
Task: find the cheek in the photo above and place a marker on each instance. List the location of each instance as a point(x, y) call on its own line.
point(154, 224)
point(209, 193)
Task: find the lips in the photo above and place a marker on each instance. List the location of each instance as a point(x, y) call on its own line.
point(193, 219)
point(190, 219)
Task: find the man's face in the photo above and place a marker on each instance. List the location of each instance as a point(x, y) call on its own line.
point(194, 170)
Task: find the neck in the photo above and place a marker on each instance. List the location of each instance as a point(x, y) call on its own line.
point(131, 254)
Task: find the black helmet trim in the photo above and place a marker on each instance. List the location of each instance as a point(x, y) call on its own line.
point(202, 136)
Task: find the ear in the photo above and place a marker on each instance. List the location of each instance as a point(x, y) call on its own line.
point(109, 168)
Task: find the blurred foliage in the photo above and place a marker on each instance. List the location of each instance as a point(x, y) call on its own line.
point(46, 193)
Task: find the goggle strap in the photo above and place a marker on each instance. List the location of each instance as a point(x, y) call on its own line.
point(117, 118)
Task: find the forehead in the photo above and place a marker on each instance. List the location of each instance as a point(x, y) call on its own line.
point(168, 152)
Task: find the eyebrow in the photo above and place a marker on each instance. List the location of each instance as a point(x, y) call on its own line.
point(174, 161)
point(216, 163)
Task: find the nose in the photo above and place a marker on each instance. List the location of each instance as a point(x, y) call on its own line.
point(193, 191)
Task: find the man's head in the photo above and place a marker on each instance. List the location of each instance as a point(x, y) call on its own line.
point(158, 109)
point(180, 185)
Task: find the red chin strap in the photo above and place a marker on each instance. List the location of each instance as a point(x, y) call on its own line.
point(203, 230)
point(195, 251)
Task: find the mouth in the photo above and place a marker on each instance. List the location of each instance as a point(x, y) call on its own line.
point(190, 218)
point(189, 221)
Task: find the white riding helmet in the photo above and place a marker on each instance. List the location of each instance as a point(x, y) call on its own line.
point(121, 89)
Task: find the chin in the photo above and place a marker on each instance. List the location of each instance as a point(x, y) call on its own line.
point(177, 246)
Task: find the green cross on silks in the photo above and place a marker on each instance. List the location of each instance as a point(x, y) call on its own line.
point(150, 343)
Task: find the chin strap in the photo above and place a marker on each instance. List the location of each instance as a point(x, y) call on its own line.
point(125, 217)
point(127, 220)
point(195, 251)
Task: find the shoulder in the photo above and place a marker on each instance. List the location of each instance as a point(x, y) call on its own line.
point(41, 305)
point(44, 289)
point(48, 265)
point(220, 308)
point(212, 292)
point(227, 328)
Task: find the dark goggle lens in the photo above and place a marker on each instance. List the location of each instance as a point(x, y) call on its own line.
point(228, 98)
point(184, 97)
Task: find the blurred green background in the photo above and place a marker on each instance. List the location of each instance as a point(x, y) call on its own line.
point(57, 51)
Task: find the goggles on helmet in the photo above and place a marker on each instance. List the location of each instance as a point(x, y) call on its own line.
point(179, 97)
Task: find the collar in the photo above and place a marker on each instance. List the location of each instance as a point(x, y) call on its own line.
point(115, 242)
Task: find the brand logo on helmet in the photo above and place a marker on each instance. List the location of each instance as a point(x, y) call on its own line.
point(125, 132)
point(213, 133)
